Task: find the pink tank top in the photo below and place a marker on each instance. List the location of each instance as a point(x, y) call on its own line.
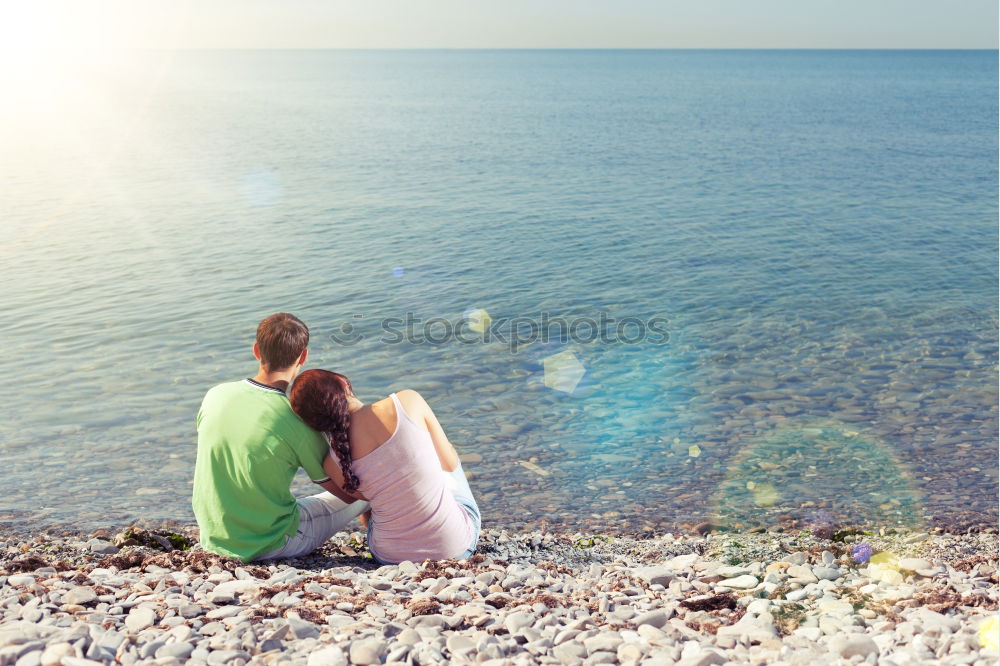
point(414, 515)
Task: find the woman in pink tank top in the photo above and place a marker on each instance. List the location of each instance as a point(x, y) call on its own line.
point(394, 454)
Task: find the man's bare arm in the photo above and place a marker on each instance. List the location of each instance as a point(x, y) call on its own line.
point(334, 483)
point(335, 490)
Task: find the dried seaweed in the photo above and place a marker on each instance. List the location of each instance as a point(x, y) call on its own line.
point(541, 598)
point(942, 601)
point(197, 561)
point(499, 601)
point(32, 563)
point(708, 626)
point(423, 606)
point(724, 600)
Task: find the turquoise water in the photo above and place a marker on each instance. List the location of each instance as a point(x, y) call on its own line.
point(817, 229)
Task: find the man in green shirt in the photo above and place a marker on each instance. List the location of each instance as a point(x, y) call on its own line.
point(250, 445)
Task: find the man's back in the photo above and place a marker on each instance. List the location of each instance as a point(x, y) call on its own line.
point(250, 445)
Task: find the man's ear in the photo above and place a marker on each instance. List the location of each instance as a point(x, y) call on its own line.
point(303, 356)
point(256, 351)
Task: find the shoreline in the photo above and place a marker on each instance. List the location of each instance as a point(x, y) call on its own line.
point(525, 597)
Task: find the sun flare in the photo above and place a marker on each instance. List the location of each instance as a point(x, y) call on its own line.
point(47, 40)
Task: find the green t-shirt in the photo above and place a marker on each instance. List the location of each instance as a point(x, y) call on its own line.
point(250, 445)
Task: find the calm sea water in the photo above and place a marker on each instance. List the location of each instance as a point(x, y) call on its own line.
point(818, 230)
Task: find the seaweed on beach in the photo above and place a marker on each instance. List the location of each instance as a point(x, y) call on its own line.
point(547, 600)
point(433, 569)
point(423, 606)
point(499, 601)
point(126, 559)
point(624, 582)
point(261, 613)
point(967, 564)
point(707, 625)
point(942, 601)
point(552, 567)
point(155, 539)
point(310, 614)
point(787, 618)
point(32, 563)
point(361, 602)
point(719, 601)
point(300, 585)
point(196, 561)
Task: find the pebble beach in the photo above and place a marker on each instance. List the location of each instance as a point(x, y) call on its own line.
point(524, 598)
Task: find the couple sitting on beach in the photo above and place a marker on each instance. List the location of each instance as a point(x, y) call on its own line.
point(388, 462)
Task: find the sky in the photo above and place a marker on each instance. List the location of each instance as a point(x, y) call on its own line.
point(185, 24)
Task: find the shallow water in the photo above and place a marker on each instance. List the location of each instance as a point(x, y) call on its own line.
point(818, 230)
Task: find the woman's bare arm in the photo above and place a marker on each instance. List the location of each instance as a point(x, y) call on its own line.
point(445, 451)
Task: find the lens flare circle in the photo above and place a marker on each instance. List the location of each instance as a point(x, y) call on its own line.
point(819, 476)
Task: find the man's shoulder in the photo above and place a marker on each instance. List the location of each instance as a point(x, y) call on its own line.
point(227, 387)
point(239, 395)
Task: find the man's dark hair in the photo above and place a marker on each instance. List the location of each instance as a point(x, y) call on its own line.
point(280, 339)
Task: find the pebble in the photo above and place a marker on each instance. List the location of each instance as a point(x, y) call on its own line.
point(457, 644)
point(80, 596)
point(604, 641)
point(140, 618)
point(18, 580)
point(740, 582)
point(654, 618)
point(300, 628)
point(228, 591)
point(826, 573)
point(327, 656)
point(54, 654)
point(914, 564)
point(629, 653)
point(518, 620)
point(179, 650)
point(570, 653)
point(367, 652)
point(102, 547)
point(848, 646)
point(654, 575)
point(801, 572)
point(408, 636)
point(731, 571)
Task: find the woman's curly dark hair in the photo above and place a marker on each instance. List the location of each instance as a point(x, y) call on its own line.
point(319, 397)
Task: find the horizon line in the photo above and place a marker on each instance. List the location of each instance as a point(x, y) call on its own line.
point(549, 48)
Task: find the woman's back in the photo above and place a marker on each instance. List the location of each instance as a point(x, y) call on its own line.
point(414, 514)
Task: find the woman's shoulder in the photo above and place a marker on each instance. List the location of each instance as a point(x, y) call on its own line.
point(409, 394)
point(412, 402)
point(385, 411)
point(411, 399)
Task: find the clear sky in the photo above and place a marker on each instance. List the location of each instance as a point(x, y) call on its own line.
point(502, 23)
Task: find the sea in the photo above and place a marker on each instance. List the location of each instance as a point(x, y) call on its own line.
point(644, 290)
